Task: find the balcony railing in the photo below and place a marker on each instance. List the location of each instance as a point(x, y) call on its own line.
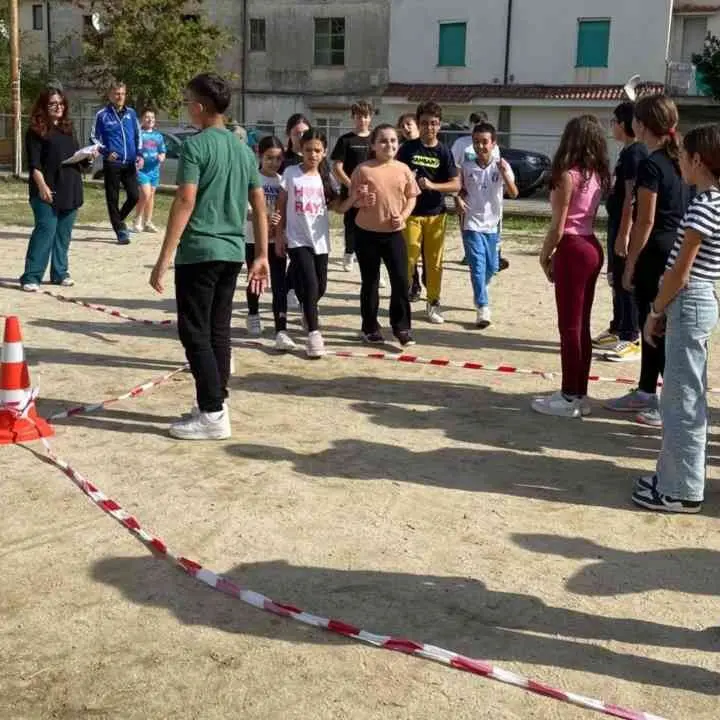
point(684, 79)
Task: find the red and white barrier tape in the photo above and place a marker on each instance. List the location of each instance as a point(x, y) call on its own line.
point(137, 390)
point(386, 642)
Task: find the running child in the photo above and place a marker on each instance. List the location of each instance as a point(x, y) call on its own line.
point(270, 150)
point(661, 202)
point(351, 150)
point(306, 195)
point(484, 182)
point(572, 257)
point(153, 151)
point(386, 190)
point(686, 311)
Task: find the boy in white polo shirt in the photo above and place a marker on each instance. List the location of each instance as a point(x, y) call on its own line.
point(484, 181)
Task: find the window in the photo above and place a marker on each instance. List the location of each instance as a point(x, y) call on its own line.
point(329, 41)
point(694, 31)
point(451, 48)
point(37, 15)
point(593, 43)
point(257, 34)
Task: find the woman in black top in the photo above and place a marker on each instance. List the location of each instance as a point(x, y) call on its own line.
point(56, 190)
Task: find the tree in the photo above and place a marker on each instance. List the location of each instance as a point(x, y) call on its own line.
point(707, 66)
point(154, 46)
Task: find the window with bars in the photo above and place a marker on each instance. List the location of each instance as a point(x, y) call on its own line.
point(257, 35)
point(330, 41)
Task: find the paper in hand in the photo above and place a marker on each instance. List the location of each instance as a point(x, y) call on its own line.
point(86, 153)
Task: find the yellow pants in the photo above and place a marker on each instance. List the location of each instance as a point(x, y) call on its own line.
point(427, 234)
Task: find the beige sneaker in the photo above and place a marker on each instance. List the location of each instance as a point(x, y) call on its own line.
point(315, 347)
point(203, 427)
point(151, 227)
point(137, 226)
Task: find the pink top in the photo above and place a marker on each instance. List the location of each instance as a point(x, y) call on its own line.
point(584, 203)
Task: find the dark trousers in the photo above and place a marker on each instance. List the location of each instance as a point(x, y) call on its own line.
point(278, 269)
point(350, 230)
point(648, 271)
point(115, 176)
point(204, 295)
point(417, 276)
point(576, 267)
point(310, 277)
point(624, 321)
point(372, 248)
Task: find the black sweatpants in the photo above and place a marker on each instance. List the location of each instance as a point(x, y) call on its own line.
point(278, 269)
point(204, 296)
point(310, 273)
point(350, 230)
point(372, 248)
point(116, 175)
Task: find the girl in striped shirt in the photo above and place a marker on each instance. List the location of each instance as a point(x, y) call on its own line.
point(686, 312)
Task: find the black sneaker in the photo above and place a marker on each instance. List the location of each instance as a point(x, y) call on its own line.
point(647, 496)
point(405, 338)
point(415, 295)
point(503, 264)
point(373, 338)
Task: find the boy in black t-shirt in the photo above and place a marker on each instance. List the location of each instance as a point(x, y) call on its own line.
point(351, 150)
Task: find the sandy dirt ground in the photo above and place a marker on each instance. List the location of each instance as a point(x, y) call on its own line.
point(423, 502)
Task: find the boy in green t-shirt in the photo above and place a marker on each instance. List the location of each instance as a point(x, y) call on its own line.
point(217, 178)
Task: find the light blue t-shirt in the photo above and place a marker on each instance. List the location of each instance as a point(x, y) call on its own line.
point(152, 144)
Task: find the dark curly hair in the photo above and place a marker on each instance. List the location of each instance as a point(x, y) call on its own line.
point(40, 121)
point(583, 146)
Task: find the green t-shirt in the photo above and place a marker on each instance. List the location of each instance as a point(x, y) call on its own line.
point(225, 170)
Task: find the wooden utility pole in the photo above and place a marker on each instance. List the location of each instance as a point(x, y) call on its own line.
point(15, 86)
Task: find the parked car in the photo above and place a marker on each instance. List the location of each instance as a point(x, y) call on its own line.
point(532, 169)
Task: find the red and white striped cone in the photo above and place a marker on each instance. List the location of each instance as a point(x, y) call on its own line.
point(19, 421)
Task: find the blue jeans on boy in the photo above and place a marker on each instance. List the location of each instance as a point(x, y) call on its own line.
point(691, 317)
point(49, 242)
point(481, 251)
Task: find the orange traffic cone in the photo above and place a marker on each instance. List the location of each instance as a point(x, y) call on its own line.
point(19, 421)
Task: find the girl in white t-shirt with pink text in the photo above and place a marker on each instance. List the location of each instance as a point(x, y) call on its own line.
point(306, 195)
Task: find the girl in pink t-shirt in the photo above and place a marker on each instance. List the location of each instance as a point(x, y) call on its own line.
point(572, 257)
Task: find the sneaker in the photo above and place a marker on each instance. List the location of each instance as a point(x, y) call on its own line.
point(123, 237)
point(150, 227)
point(647, 496)
point(195, 411)
point(284, 343)
point(503, 264)
point(649, 417)
point(30, 287)
point(482, 319)
point(315, 347)
point(433, 313)
point(382, 282)
point(605, 340)
point(292, 301)
point(254, 325)
point(634, 401)
point(348, 262)
point(67, 282)
point(373, 338)
point(138, 226)
point(203, 427)
point(405, 338)
point(624, 351)
point(585, 406)
point(557, 405)
point(415, 295)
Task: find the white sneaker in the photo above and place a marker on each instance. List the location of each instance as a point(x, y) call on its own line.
point(348, 262)
point(558, 406)
point(151, 227)
point(284, 343)
point(433, 313)
point(382, 283)
point(137, 226)
point(67, 282)
point(195, 411)
point(203, 427)
point(292, 300)
point(483, 317)
point(254, 325)
point(30, 287)
point(315, 347)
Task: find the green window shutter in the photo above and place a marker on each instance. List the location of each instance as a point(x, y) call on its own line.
point(593, 43)
point(452, 44)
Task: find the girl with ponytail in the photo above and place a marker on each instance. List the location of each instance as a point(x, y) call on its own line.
point(661, 199)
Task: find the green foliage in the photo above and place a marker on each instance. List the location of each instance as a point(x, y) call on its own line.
point(708, 66)
point(154, 46)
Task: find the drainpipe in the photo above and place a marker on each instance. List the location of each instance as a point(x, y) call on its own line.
point(243, 69)
point(50, 59)
point(508, 35)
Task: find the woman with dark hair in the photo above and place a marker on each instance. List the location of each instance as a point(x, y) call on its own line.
point(296, 126)
point(56, 190)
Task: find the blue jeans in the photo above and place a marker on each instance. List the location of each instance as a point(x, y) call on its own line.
point(481, 251)
point(49, 242)
point(691, 317)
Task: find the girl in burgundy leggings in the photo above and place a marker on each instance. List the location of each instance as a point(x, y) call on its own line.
point(572, 257)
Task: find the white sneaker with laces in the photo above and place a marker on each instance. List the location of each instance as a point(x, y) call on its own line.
point(254, 325)
point(67, 282)
point(433, 313)
point(284, 343)
point(315, 347)
point(151, 227)
point(292, 300)
point(30, 287)
point(558, 406)
point(203, 426)
point(483, 317)
point(138, 226)
point(348, 262)
point(195, 411)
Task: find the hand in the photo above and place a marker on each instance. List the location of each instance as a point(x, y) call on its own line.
point(504, 168)
point(654, 328)
point(275, 219)
point(94, 153)
point(627, 279)
point(258, 276)
point(425, 184)
point(370, 200)
point(280, 245)
point(140, 163)
point(46, 194)
point(546, 263)
point(397, 222)
point(622, 242)
point(113, 156)
point(157, 275)
point(461, 204)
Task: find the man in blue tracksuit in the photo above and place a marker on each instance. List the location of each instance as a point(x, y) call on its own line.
point(117, 129)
